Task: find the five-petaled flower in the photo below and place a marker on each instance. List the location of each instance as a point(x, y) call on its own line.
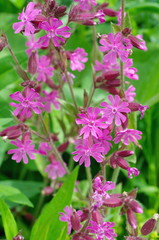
point(77, 59)
point(116, 110)
point(53, 32)
point(26, 17)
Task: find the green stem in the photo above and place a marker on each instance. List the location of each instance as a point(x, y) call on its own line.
point(115, 175)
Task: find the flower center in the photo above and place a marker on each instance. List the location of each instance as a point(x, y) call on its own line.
point(114, 110)
point(25, 103)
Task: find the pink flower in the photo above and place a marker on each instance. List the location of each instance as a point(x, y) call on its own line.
point(24, 148)
point(93, 122)
point(77, 58)
point(68, 217)
point(70, 75)
point(84, 152)
point(55, 170)
point(43, 69)
point(129, 71)
point(53, 32)
point(32, 45)
point(127, 136)
point(103, 141)
point(133, 171)
point(100, 189)
point(28, 103)
point(51, 98)
point(102, 230)
point(26, 17)
point(86, 4)
point(115, 46)
point(44, 147)
point(115, 110)
point(130, 93)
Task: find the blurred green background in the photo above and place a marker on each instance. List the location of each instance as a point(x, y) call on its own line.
point(144, 17)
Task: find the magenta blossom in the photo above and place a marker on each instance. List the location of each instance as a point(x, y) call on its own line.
point(103, 141)
point(44, 147)
point(26, 17)
point(77, 58)
point(100, 193)
point(55, 170)
point(24, 148)
point(128, 135)
point(102, 230)
point(133, 171)
point(43, 69)
point(84, 152)
point(32, 45)
point(93, 122)
point(86, 4)
point(51, 98)
point(130, 93)
point(53, 32)
point(129, 71)
point(115, 46)
point(115, 110)
point(28, 102)
point(68, 217)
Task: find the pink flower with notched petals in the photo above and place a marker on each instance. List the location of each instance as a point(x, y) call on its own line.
point(127, 136)
point(115, 110)
point(86, 4)
point(43, 69)
point(84, 152)
point(53, 32)
point(103, 141)
point(49, 99)
point(77, 58)
point(130, 93)
point(32, 45)
point(23, 149)
point(102, 230)
point(26, 17)
point(55, 170)
point(28, 102)
point(44, 147)
point(133, 171)
point(129, 71)
point(115, 46)
point(93, 122)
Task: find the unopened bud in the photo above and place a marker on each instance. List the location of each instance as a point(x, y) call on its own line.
point(18, 237)
point(75, 221)
point(137, 43)
point(32, 63)
point(113, 202)
point(61, 11)
point(12, 132)
point(135, 206)
point(110, 12)
point(131, 218)
point(3, 42)
point(126, 31)
point(63, 147)
point(110, 75)
point(96, 216)
point(149, 225)
point(47, 191)
point(125, 153)
point(121, 162)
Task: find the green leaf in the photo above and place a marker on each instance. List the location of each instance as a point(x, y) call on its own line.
point(9, 224)
point(115, 28)
point(48, 226)
point(127, 21)
point(14, 195)
point(145, 6)
point(29, 188)
point(4, 121)
point(18, 3)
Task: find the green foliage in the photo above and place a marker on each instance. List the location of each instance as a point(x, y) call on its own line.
point(9, 224)
point(48, 225)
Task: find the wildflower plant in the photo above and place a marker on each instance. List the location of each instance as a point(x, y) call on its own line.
point(98, 133)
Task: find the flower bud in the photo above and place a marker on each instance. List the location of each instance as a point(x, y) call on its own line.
point(137, 42)
point(110, 12)
point(85, 213)
point(111, 75)
point(103, 5)
point(75, 221)
point(124, 153)
point(113, 202)
point(135, 206)
point(32, 63)
point(30, 84)
point(3, 42)
point(63, 147)
point(12, 132)
point(51, 84)
point(126, 31)
point(60, 12)
point(131, 219)
point(96, 216)
point(18, 237)
point(148, 226)
point(121, 162)
point(47, 191)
